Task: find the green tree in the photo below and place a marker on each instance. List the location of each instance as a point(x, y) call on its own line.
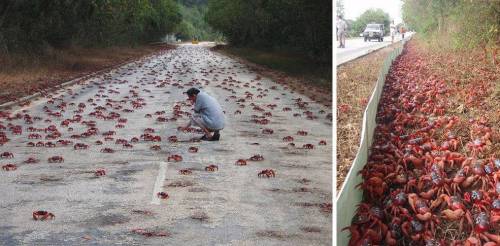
point(27, 25)
point(462, 23)
point(299, 25)
point(370, 16)
point(194, 24)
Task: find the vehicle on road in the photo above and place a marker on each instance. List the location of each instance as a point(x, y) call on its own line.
point(374, 31)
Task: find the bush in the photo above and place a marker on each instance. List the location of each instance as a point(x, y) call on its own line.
point(299, 25)
point(27, 25)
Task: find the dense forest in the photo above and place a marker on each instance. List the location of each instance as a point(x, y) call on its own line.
point(301, 25)
point(193, 24)
point(464, 24)
point(27, 25)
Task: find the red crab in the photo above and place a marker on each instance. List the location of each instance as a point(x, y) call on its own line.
point(423, 211)
point(107, 150)
point(149, 130)
point(257, 158)
point(308, 146)
point(302, 133)
point(241, 162)
point(9, 167)
point(185, 171)
point(50, 145)
point(267, 131)
point(43, 215)
point(80, 146)
point(34, 136)
point(482, 224)
point(288, 139)
point(100, 172)
point(211, 168)
point(127, 145)
point(193, 149)
point(150, 233)
point(476, 147)
point(322, 142)
point(267, 173)
point(155, 147)
point(7, 155)
point(31, 160)
point(121, 141)
point(172, 139)
point(456, 210)
point(162, 195)
point(175, 158)
point(56, 159)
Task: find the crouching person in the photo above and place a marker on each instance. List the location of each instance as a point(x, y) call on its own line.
point(208, 114)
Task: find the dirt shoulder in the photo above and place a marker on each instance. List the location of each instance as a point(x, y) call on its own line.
point(315, 87)
point(24, 75)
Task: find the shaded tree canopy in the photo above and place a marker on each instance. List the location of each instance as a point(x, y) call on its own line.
point(299, 25)
point(469, 23)
point(194, 24)
point(26, 25)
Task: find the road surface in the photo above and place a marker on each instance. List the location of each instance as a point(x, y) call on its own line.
point(357, 47)
point(230, 206)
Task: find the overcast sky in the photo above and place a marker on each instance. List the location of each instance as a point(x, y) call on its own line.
point(354, 8)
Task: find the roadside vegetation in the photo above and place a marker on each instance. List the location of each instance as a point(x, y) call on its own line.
point(459, 26)
point(35, 26)
point(45, 43)
point(194, 24)
point(294, 37)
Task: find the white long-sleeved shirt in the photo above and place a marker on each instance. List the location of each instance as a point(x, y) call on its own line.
point(210, 111)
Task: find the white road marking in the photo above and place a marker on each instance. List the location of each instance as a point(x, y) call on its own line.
point(159, 183)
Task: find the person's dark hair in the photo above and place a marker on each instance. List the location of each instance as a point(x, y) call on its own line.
point(192, 92)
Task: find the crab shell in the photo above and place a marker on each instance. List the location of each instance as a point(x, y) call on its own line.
point(162, 195)
point(43, 215)
point(211, 168)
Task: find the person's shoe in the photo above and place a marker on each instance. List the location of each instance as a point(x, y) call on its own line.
point(204, 138)
point(215, 137)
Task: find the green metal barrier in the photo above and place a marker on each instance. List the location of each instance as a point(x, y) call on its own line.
point(349, 196)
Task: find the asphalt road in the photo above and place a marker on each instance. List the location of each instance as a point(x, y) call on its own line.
point(357, 47)
point(231, 206)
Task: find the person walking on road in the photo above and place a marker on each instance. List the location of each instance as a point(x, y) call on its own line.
point(341, 30)
point(208, 114)
point(393, 31)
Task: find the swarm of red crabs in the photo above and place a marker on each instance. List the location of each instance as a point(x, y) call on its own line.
point(94, 123)
point(428, 172)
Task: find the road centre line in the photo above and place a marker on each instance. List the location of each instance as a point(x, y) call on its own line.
point(159, 183)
